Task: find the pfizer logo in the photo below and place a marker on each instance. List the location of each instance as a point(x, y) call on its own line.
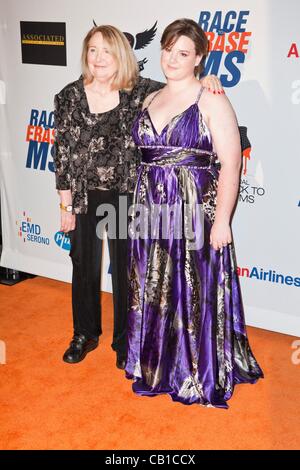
point(62, 240)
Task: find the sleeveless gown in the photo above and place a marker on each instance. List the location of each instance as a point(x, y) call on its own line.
point(186, 327)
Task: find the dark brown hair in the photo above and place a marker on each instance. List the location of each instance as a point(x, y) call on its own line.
point(191, 29)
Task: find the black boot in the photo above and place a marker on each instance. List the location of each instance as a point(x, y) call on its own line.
point(79, 347)
point(121, 360)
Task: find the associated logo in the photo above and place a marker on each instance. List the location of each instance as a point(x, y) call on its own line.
point(270, 275)
point(293, 51)
point(140, 41)
point(40, 138)
point(30, 232)
point(43, 43)
point(62, 240)
point(251, 186)
point(228, 43)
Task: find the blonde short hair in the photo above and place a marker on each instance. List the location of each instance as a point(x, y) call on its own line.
point(127, 73)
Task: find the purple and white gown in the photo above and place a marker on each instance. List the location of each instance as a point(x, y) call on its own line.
point(186, 327)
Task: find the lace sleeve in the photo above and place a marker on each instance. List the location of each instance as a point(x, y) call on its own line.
point(61, 155)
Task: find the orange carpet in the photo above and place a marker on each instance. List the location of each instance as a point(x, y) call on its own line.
point(47, 404)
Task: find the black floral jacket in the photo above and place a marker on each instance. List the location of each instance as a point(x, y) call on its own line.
point(96, 150)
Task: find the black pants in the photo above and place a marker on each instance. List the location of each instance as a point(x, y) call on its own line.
point(86, 255)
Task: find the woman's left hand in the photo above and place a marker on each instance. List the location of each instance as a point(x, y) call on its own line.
point(220, 235)
point(212, 84)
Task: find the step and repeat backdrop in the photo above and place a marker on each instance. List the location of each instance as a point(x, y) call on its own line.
point(254, 49)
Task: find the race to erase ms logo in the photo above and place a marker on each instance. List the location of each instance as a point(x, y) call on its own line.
point(31, 232)
point(40, 138)
point(251, 184)
point(228, 43)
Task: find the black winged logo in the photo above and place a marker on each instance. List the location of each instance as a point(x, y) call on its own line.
point(143, 39)
point(140, 41)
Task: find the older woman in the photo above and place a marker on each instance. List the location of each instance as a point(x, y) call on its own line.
point(186, 328)
point(96, 160)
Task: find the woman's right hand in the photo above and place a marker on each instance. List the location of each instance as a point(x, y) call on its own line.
point(67, 221)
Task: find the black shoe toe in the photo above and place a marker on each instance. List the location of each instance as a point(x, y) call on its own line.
point(121, 361)
point(79, 347)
